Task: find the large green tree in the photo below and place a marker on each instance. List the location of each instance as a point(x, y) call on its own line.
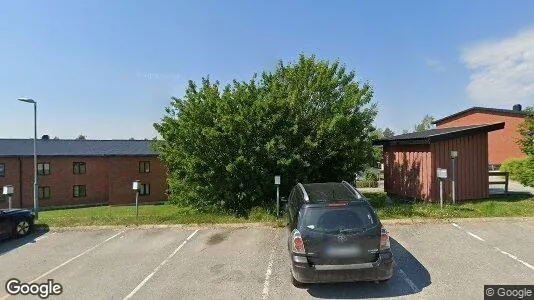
point(306, 121)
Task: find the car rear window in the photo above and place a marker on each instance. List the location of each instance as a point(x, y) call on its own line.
point(328, 192)
point(338, 219)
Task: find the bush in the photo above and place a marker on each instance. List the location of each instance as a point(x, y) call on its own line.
point(310, 121)
point(521, 170)
point(366, 183)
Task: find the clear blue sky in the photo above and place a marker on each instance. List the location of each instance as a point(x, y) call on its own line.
point(106, 69)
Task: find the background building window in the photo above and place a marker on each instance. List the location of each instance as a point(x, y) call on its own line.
point(43, 168)
point(44, 192)
point(79, 168)
point(144, 167)
point(79, 191)
point(144, 189)
point(2, 170)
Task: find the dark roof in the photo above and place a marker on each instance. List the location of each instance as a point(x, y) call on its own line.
point(484, 109)
point(425, 137)
point(51, 147)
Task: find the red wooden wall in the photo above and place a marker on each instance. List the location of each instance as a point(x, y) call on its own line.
point(410, 170)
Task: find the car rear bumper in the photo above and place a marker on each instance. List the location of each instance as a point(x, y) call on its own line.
point(382, 269)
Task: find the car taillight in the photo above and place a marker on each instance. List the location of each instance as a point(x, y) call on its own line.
point(298, 243)
point(384, 240)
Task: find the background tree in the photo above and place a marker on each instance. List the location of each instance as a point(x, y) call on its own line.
point(307, 121)
point(425, 124)
point(526, 129)
point(81, 137)
point(388, 133)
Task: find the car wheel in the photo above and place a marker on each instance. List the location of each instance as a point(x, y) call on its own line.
point(22, 227)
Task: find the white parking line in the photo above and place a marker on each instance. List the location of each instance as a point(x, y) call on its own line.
point(140, 285)
point(412, 285)
point(496, 248)
point(265, 292)
point(70, 260)
point(468, 232)
point(475, 236)
point(515, 258)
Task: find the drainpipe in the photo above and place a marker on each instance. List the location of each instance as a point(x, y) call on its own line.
point(20, 180)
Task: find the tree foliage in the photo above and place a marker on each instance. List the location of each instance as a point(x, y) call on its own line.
point(425, 124)
point(526, 129)
point(388, 133)
point(307, 121)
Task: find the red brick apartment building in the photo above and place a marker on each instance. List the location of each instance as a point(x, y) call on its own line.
point(81, 172)
point(502, 144)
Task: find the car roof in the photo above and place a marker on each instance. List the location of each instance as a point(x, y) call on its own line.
point(327, 192)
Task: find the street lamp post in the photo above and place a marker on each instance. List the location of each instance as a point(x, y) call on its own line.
point(35, 184)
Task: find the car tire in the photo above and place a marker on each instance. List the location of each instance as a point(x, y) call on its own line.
point(22, 227)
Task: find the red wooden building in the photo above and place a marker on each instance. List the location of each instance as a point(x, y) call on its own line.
point(411, 162)
point(502, 144)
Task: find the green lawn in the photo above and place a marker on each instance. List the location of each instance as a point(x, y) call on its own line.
point(148, 214)
point(511, 206)
point(172, 214)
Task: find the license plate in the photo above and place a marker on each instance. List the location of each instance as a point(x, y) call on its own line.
point(337, 251)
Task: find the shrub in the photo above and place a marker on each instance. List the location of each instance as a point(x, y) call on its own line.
point(310, 121)
point(521, 170)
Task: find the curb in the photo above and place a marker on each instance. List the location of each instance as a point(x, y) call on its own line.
point(274, 224)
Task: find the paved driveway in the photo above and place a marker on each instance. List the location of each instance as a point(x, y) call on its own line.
point(434, 261)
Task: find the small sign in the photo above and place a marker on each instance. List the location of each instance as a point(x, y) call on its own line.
point(277, 179)
point(442, 173)
point(454, 154)
point(8, 190)
point(136, 185)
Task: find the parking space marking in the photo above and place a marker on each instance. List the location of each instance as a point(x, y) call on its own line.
point(144, 281)
point(475, 236)
point(515, 258)
point(468, 232)
point(496, 248)
point(71, 259)
point(412, 285)
point(265, 292)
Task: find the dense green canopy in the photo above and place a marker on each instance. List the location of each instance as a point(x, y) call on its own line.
point(309, 121)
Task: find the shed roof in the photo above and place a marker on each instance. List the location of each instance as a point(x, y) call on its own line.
point(484, 109)
point(428, 136)
point(51, 147)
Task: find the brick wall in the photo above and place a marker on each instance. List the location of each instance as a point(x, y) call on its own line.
point(107, 180)
point(502, 144)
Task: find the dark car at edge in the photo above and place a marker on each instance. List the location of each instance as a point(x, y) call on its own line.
point(335, 236)
point(15, 222)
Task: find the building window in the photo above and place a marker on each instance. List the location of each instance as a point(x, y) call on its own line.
point(79, 191)
point(2, 170)
point(79, 168)
point(44, 192)
point(144, 167)
point(43, 168)
point(144, 189)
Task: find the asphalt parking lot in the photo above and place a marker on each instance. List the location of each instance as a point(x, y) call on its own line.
point(433, 261)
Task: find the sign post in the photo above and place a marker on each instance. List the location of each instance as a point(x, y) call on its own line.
point(136, 186)
point(442, 174)
point(277, 183)
point(8, 191)
point(454, 155)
